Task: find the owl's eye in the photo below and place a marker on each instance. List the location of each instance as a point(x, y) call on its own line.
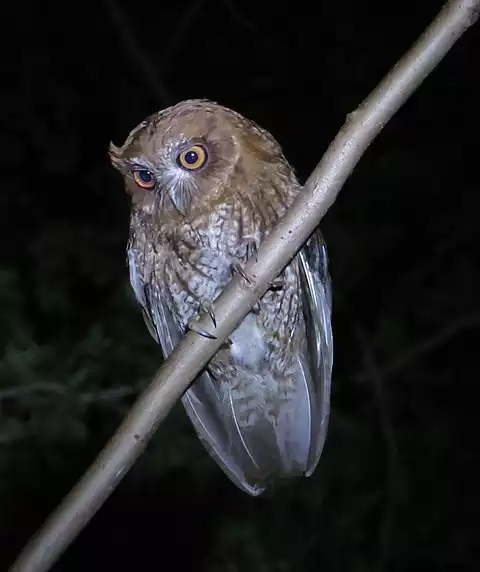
point(193, 158)
point(144, 179)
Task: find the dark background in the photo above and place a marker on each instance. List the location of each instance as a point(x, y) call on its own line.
point(397, 486)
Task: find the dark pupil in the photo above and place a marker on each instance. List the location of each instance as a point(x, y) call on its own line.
point(191, 157)
point(145, 176)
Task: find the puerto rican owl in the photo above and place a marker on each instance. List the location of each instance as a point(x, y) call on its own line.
point(207, 186)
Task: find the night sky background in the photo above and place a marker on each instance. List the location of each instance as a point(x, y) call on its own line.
point(397, 485)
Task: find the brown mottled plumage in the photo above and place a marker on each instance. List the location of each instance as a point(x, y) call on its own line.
point(207, 186)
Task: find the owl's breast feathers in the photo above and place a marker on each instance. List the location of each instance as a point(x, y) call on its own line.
point(189, 264)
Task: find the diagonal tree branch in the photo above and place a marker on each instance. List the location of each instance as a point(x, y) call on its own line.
point(194, 352)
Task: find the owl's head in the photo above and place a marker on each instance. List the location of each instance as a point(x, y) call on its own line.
point(194, 154)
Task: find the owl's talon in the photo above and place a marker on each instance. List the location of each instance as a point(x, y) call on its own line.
point(208, 308)
point(252, 250)
point(237, 267)
point(200, 331)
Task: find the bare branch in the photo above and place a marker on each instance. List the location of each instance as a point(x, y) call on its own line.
point(238, 16)
point(391, 449)
point(425, 346)
point(194, 352)
point(444, 247)
point(39, 387)
point(189, 15)
point(149, 73)
point(112, 394)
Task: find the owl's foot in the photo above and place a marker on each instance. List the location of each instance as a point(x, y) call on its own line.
point(252, 250)
point(207, 307)
point(238, 268)
point(198, 330)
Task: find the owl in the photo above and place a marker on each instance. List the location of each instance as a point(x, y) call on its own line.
point(207, 185)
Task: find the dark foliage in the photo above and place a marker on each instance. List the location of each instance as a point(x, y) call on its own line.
point(396, 488)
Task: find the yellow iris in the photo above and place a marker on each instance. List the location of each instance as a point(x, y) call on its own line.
point(193, 158)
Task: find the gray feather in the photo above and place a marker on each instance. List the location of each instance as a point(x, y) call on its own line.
point(317, 311)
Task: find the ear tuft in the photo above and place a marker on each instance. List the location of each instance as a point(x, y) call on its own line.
point(115, 155)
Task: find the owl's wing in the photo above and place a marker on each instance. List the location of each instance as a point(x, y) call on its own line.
point(201, 401)
point(317, 309)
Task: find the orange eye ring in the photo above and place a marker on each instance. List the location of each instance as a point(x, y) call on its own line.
point(193, 158)
point(144, 179)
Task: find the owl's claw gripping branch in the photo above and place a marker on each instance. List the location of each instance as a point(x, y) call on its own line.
point(238, 268)
point(252, 250)
point(208, 309)
point(200, 331)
